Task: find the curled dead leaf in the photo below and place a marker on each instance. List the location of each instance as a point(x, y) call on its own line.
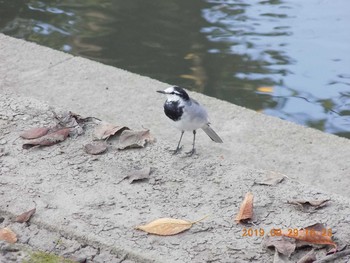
point(283, 245)
point(305, 204)
point(315, 234)
point(167, 226)
point(8, 235)
point(96, 147)
point(246, 209)
point(48, 139)
point(105, 130)
point(34, 133)
point(134, 139)
point(25, 217)
point(138, 175)
point(272, 178)
point(70, 120)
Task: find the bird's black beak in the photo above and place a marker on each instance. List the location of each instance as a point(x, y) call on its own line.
point(161, 91)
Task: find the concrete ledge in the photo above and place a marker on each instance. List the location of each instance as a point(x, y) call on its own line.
point(252, 139)
point(78, 194)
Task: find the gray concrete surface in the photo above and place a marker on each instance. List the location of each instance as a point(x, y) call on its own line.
point(78, 196)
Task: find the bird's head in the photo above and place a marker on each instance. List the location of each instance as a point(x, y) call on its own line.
point(175, 93)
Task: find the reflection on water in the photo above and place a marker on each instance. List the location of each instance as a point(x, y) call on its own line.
point(289, 59)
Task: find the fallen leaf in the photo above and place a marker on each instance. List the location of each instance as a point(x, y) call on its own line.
point(138, 175)
point(34, 133)
point(48, 139)
point(265, 89)
point(246, 209)
point(96, 147)
point(305, 204)
point(282, 244)
point(308, 258)
point(105, 130)
point(134, 139)
point(8, 235)
point(272, 178)
point(72, 121)
point(167, 226)
point(25, 217)
point(315, 234)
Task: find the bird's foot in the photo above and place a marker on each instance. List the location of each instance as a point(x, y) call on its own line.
point(176, 151)
point(190, 153)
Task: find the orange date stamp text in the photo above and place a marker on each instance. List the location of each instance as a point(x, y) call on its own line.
point(290, 232)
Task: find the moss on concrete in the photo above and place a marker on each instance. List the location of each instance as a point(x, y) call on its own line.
point(42, 257)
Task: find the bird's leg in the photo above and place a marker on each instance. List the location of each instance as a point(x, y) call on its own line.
point(178, 148)
point(190, 153)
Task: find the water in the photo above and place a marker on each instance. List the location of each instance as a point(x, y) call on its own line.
point(289, 59)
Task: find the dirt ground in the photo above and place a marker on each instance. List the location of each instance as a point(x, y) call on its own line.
point(85, 210)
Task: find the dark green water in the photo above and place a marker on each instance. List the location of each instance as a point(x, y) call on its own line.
point(289, 59)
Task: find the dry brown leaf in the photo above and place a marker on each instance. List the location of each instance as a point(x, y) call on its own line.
point(72, 121)
point(34, 133)
point(315, 234)
point(246, 209)
point(138, 175)
point(8, 235)
point(48, 139)
point(25, 217)
point(96, 147)
point(105, 130)
point(134, 139)
point(305, 203)
point(167, 226)
point(282, 244)
point(272, 178)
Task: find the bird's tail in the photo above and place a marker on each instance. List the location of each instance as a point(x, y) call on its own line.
point(211, 133)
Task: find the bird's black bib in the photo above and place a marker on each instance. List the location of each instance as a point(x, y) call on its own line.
point(173, 110)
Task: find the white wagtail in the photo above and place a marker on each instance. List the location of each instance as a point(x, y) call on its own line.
point(186, 114)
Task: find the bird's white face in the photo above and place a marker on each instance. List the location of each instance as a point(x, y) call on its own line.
point(172, 94)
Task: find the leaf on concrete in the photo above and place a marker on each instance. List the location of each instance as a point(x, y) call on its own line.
point(8, 235)
point(314, 234)
point(70, 120)
point(167, 226)
point(25, 217)
point(305, 204)
point(246, 209)
point(138, 175)
point(96, 147)
point(34, 133)
point(134, 139)
point(283, 245)
point(48, 139)
point(105, 130)
point(272, 178)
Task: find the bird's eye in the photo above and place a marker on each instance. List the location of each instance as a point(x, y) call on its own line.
point(173, 93)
